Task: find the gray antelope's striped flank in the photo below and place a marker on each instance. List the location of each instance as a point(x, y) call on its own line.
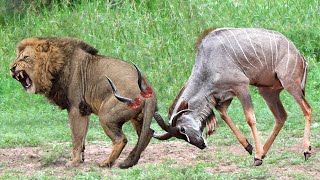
point(228, 61)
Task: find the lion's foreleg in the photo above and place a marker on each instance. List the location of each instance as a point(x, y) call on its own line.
point(79, 127)
point(114, 131)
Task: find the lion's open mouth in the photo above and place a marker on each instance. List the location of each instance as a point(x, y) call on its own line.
point(23, 78)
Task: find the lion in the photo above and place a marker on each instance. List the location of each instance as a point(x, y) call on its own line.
point(71, 74)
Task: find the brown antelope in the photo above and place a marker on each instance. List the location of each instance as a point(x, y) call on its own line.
point(227, 62)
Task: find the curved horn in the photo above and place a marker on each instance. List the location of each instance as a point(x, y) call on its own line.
point(115, 92)
point(139, 78)
point(172, 132)
point(146, 92)
point(174, 118)
point(163, 125)
point(164, 136)
point(160, 121)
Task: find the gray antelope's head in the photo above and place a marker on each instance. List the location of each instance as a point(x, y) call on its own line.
point(188, 124)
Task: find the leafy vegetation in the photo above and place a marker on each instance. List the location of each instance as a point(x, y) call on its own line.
point(159, 37)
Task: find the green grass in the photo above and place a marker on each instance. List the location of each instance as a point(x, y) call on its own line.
point(159, 37)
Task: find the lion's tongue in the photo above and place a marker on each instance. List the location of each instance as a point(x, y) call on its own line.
point(28, 82)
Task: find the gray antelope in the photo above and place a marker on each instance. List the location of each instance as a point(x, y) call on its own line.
point(228, 61)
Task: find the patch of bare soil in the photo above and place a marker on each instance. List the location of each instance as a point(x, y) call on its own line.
point(28, 159)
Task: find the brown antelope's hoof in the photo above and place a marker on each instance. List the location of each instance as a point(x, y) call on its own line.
point(257, 162)
point(264, 156)
point(249, 148)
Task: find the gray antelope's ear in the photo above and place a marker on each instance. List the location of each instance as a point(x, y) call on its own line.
point(183, 105)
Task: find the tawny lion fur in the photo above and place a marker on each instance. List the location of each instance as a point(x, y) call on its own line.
point(71, 74)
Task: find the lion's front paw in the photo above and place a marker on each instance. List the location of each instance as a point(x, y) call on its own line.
point(106, 163)
point(71, 164)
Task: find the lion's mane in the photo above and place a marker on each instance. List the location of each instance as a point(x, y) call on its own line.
point(52, 65)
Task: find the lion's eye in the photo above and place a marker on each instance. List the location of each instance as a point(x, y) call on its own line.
point(26, 58)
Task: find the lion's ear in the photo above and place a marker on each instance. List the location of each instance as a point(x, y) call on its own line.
point(19, 49)
point(43, 47)
point(26, 42)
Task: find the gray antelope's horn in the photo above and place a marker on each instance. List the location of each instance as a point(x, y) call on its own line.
point(139, 78)
point(175, 117)
point(124, 99)
point(115, 92)
point(171, 130)
point(146, 92)
point(164, 126)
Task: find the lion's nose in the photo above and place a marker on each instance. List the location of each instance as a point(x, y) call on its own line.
point(13, 68)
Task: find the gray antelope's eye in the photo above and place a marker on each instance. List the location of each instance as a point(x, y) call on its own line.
point(182, 130)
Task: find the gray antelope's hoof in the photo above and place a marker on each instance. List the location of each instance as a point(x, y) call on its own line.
point(307, 154)
point(257, 162)
point(249, 148)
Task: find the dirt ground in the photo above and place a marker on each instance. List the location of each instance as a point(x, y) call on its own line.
point(27, 159)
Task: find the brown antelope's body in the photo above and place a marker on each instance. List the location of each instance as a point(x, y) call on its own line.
point(227, 62)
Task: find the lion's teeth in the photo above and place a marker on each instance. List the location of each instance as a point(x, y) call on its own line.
point(21, 74)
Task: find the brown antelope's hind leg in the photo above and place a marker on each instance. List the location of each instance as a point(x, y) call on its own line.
point(79, 127)
point(243, 94)
point(297, 94)
point(142, 143)
point(271, 96)
point(222, 109)
point(114, 130)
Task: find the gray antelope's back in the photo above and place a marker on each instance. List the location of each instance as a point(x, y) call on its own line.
point(261, 55)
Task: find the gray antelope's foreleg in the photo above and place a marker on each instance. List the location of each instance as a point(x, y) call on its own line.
point(243, 94)
point(222, 109)
point(79, 127)
point(271, 96)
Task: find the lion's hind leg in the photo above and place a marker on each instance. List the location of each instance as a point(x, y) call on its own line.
point(114, 131)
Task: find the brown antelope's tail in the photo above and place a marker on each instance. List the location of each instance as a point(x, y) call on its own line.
point(304, 79)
